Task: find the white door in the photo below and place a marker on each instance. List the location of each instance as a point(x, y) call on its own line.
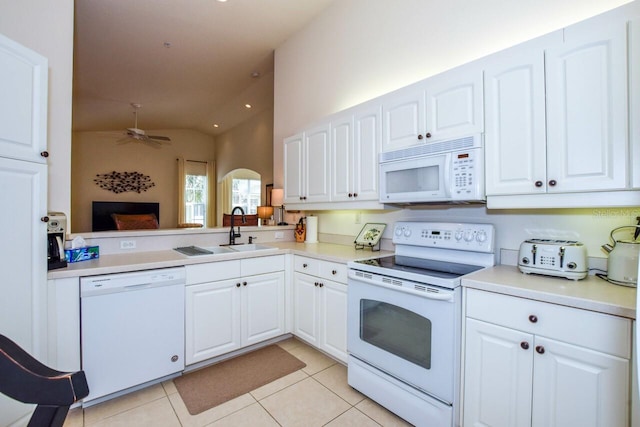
point(454, 104)
point(293, 168)
point(578, 387)
point(23, 104)
point(333, 315)
point(342, 160)
point(23, 307)
point(212, 319)
point(317, 164)
point(403, 115)
point(305, 307)
point(515, 132)
point(587, 108)
point(262, 307)
point(366, 148)
point(498, 375)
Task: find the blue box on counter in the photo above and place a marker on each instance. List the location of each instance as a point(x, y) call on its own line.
point(82, 254)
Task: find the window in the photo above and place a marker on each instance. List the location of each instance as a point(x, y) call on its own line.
point(195, 192)
point(246, 194)
point(195, 198)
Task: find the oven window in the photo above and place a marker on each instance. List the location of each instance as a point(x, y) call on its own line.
point(396, 330)
point(413, 180)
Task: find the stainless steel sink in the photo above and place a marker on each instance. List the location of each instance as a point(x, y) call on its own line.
point(197, 251)
point(250, 247)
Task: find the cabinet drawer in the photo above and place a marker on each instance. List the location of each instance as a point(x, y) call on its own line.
point(333, 271)
point(307, 265)
point(261, 265)
point(597, 331)
point(213, 271)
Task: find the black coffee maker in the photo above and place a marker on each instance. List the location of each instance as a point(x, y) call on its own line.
point(56, 230)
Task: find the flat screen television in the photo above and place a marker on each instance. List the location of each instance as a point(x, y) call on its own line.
point(101, 212)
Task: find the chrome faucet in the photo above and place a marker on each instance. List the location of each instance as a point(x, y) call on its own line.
point(232, 233)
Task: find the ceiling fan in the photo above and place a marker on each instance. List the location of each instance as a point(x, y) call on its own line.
point(139, 134)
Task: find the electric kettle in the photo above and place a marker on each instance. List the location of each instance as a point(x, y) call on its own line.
point(623, 259)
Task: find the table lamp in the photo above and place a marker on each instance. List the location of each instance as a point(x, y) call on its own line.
point(277, 199)
point(264, 214)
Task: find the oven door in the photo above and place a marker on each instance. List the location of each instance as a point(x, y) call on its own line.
point(413, 336)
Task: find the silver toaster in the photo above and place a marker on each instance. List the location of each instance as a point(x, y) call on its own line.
point(561, 258)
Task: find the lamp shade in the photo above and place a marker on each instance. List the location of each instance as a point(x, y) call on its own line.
point(265, 212)
point(277, 197)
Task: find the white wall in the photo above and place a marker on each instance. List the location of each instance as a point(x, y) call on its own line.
point(360, 49)
point(47, 28)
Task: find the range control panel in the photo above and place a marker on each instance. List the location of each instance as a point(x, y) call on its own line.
point(445, 235)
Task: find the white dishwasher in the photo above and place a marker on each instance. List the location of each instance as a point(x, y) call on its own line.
point(132, 329)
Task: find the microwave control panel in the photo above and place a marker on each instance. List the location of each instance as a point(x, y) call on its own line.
point(466, 170)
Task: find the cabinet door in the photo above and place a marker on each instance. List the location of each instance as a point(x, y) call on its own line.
point(333, 317)
point(634, 100)
point(262, 307)
point(212, 320)
point(515, 134)
point(343, 161)
point(403, 115)
point(587, 108)
point(293, 169)
point(305, 307)
point(317, 164)
point(366, 147)
point(23, 105)
point(454, 103)
point(498, 375)
point(579, 387)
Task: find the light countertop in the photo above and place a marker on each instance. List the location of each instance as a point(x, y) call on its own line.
point(591, 293)
point(120, 263)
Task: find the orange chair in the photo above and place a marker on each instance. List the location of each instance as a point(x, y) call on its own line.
point(250, 220)
point(135, 221)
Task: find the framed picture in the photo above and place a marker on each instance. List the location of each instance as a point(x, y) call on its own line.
point(268, 190)
point(370, 234)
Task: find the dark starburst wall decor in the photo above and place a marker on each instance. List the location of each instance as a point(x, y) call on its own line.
point(120, 182)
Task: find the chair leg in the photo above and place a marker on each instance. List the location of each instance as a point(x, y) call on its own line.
point(48, 416)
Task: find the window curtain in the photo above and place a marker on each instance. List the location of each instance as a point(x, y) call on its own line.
point(225, 196)
point(211, 189)
point(181, 187)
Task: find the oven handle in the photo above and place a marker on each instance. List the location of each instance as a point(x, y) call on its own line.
point(442, 295)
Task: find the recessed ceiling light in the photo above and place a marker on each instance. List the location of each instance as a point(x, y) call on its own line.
point(221, 1)
point(247, 106)
point(255, 74)
point(215, 125)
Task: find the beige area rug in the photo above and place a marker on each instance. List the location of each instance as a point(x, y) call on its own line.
point(208, 387)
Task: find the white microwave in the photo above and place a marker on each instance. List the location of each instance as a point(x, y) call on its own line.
point(439, 172)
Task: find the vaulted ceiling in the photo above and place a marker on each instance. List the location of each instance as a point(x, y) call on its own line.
point(189, 63)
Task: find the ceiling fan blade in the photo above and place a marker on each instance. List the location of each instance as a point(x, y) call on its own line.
point(159, 138)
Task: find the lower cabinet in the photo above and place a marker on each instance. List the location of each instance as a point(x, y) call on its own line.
point(320, 305)
point(539, 364)
point(225, 315)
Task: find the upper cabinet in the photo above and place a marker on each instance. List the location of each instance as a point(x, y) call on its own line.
point(355, 140)
point(441, 107)
point(23, 121)
point(557, 124)
point(634, 101)
point(307, 166)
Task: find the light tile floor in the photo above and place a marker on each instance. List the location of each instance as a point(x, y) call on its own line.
point(317, 395)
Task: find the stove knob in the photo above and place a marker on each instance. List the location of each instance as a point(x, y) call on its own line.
point(458, 235)
point(407, 232)
point(468, 236)
point(398, 231)
point(481, 236)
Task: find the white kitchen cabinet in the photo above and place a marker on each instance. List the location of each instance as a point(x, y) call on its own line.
point(438, 108)
point(634, 101)
point(355, 145)
point(515, 130)
point(320, 305)
point(541, 364)
point(586, 93)
point(307, 166)
point(225, 315)
point(23, 174)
